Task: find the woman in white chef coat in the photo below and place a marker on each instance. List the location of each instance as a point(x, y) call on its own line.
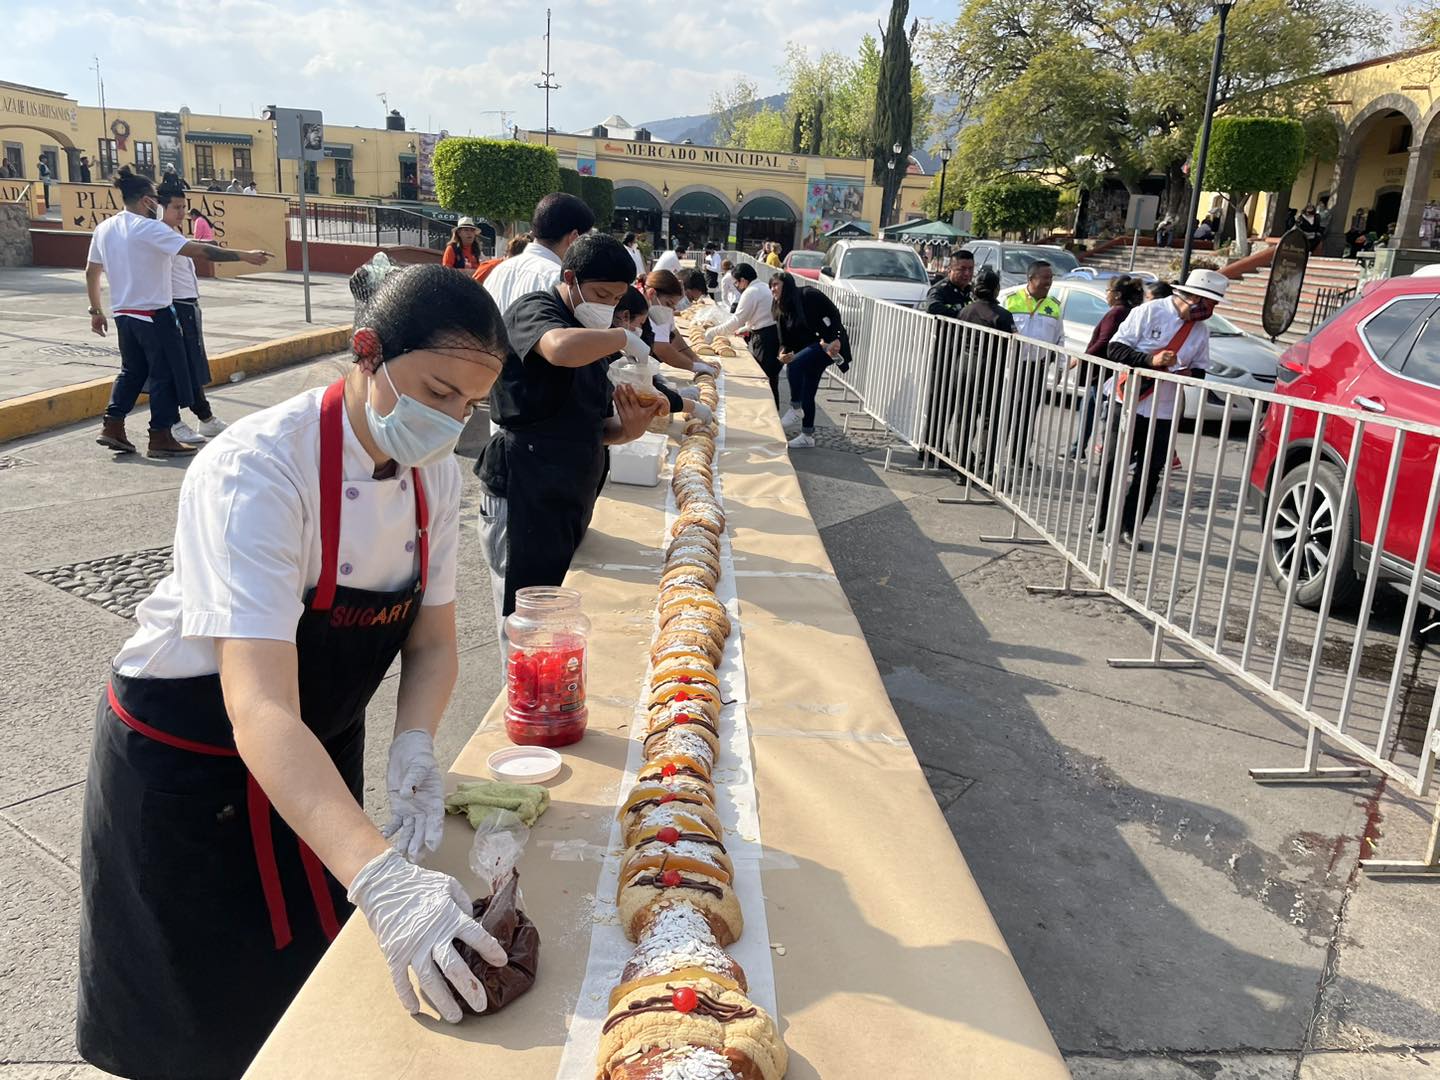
point(224, 831)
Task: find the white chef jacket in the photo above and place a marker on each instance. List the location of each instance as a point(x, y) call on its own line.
point(184, 282)
point(729, 292)
point(247, 539)
point(662, 333)
point(136, 252)
point(713, 263)
point(668, 260)
point(1150, 328)
point(639, 261)
point(753, 312)
point(536, 269)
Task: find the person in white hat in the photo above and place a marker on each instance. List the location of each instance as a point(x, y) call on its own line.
point(1170, 335)
point(463, 251)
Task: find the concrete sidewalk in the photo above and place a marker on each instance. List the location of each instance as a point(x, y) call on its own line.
point(46, 341)
point(1174, 920)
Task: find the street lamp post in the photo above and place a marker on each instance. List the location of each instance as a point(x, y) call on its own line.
point(945, 152)
point(1197, 173)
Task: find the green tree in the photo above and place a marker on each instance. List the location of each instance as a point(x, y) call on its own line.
point(894, 121)
point(729, 107)
point(1014, 206)
point(599, 195)
point(766, 130)
point(501, 180)
point(954, 198)
point(1118, 87)
point(1249, 154)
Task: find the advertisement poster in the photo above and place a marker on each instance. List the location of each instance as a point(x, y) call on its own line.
point(585, 166)
point(168, 142)
point(829, 203)
point(426, 162)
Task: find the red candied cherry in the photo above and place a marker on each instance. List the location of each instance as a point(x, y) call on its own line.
point(682, 696)
point(668, 770)
point(684, 718)
point(668, 835)
point(685, 679)
point(669, 796)
point(685, 1000)
point(670, 878)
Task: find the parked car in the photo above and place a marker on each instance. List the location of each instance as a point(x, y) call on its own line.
point(1237, 359)
point(804, 263)
point(1380, 353)
point(1105, 274)
point(879, 268)
point(1012, 261)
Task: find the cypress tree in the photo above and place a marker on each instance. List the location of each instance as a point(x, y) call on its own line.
point(894, 109)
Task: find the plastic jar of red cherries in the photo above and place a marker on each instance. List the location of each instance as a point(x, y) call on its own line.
point(545, 668)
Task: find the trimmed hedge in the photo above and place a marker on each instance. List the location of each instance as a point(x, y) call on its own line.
point(1254, 153)
point(599, 195)
point(497, 179)
point(1013, 206)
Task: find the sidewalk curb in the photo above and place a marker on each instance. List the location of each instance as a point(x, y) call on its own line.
point(49, 409)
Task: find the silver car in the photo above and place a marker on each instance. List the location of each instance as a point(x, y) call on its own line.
point(1012, 261)
point(1237, 359)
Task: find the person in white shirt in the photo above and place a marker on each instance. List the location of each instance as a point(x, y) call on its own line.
point(729, 293)
point(185, 285)
point(635, 255)
point(1168, 334)
point(250, 189)
point(134, 251)
point(753, 312)
point(559, 220)
point(670, 260)
point(712, 267)
point(224, 833)
point(663, 293)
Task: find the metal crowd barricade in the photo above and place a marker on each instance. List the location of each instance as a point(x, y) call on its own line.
point(1230, 561)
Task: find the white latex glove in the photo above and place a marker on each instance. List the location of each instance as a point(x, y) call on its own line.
point(417, 796)
point(703, 412)
point(701, 368)
point(689, 393)
point(710, 335)
point(635, 346)
point(416, 915)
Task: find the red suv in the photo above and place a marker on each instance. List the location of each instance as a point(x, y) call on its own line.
point(1380, 353)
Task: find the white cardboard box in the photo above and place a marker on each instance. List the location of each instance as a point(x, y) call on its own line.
point(638, 462)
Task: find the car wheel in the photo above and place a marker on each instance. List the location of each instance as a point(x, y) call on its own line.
point(1326, 537)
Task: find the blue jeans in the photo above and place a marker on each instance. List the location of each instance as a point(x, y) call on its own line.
point(805, 371)
point(153, 351)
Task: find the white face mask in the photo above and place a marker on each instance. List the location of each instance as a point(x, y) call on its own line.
point(412, 433)
point(591, 315)
point(661, 315)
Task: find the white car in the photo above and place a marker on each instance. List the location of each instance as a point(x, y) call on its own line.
point(1237, 359)
point(881, 269)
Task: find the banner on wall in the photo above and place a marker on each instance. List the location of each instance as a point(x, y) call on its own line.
point(425, 164)
point(585, 166)
point(830, 203)
point(239, 221)
point(168, 142)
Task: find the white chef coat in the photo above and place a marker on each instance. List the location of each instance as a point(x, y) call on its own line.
point(729, 293)
point(639, 261)
point(753, 312)
point(662, 333)
point(713, 263)
point(136, 252)
point(668, 260)
point(247, 539)
point(184, 282)
point(1150, 328)
point(536, 269)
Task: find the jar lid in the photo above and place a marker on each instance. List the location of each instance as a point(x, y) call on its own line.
point(524, 764)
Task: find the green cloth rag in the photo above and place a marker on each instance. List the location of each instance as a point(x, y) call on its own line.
point(480, 799)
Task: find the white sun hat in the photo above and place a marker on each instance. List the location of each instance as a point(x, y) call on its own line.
point(1210, 284)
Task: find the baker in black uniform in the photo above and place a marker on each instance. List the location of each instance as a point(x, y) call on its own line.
point(555, 410)
point(947, 297)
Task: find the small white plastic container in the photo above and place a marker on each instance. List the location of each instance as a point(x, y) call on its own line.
point(638, 462)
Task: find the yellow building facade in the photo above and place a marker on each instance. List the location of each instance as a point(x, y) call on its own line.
point(1385, 178)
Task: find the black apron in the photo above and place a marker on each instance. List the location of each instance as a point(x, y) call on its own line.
point(202, 913)
point(556, 467)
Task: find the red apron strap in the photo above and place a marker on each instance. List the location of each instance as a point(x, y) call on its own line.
point(422, 527)
point(332, 479)
point(319, 891)
point(258, 804)
point(150, 732)
point(1176, 343)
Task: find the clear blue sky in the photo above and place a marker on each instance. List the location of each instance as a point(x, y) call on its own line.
point(442, 64)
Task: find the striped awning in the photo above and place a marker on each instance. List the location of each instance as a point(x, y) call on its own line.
point(219, 138)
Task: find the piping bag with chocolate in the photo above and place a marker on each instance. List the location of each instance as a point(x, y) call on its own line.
point(499, 843)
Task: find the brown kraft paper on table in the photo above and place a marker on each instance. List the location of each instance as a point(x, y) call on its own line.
point(502, 919)
point(893, 964)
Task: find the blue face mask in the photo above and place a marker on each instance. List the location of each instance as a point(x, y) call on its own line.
point(413, 434)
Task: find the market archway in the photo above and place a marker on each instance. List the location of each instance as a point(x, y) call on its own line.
point(52, 157)
point(637, 210)
point(698, 218)
point(763, 218)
